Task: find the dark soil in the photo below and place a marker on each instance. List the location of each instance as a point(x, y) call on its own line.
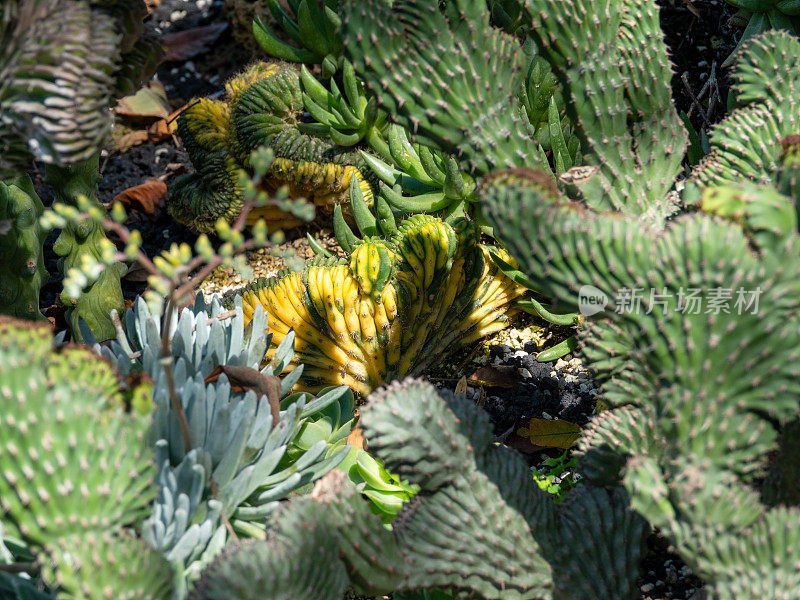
point(700, 38)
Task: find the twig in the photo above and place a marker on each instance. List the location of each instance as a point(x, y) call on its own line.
point(26, 567)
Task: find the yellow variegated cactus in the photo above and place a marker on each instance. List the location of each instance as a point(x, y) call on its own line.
point(263, 107)
point(395, 308)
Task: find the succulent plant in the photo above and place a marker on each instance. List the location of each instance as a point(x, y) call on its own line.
point(72, 185)
point(22, 271)
point(264, 108)
point(757, 16)
point(480, 525)
point(55, 102)
point(394, 307)
point(76, 472)
point(240, 462)
point(485, 126)
point(670, 437)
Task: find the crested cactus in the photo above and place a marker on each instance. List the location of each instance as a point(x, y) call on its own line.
point(22, 271)
point(480, 525)
point(75, 470)
point(264, 108)
point(93, 305)
point(685, 436)
point(394, 307)
point(241, 462)
point(55, 102)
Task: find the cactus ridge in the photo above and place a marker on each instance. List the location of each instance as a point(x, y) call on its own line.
point(263, 108)
point(479, 526)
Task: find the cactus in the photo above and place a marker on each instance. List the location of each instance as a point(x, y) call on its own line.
point(395, 306)
point(263, 109)
point(44, 48)
point(486, 127)
point(480, 525)
point(75, 470)
point(667, 372)
point(746, 144)
point(94, 304)
point(757, 16)
point(22, 273)
point(348, 128)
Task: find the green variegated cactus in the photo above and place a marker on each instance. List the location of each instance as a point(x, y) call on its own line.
point(75, 470)
point(480, 525)
point(22, 271)
point(397, 305)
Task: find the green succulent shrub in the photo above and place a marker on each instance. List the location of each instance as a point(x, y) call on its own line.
point(239, 463)
point(479, 524)
point(22, 272)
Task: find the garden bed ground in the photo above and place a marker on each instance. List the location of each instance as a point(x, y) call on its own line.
point(518, 387)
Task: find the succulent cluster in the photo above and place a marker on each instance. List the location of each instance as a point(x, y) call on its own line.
point(264, 107)
point(700, 399)
point(479, 525)
point(244, 451)
point(395, 306)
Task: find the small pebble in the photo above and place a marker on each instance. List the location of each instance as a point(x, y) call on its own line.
point(647, 587)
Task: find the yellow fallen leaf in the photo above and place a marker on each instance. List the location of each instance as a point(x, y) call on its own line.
point(553, 433)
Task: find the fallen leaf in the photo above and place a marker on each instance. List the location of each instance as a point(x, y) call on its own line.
point(183, 45)
point(553, 433)
point(150, 102)
point(243, 379)
point(500, 376)
point(356, 438)
point(129, 140)
point(137, 274)
point(461, 386)
point(146, 196)
point(152, 5)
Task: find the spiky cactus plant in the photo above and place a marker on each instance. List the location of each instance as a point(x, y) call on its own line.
point(22, 271)
point(396, 306)
point(61, 64)
point(757, 16)
point(618, 99)
point(480, 525)
point(75, 470)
